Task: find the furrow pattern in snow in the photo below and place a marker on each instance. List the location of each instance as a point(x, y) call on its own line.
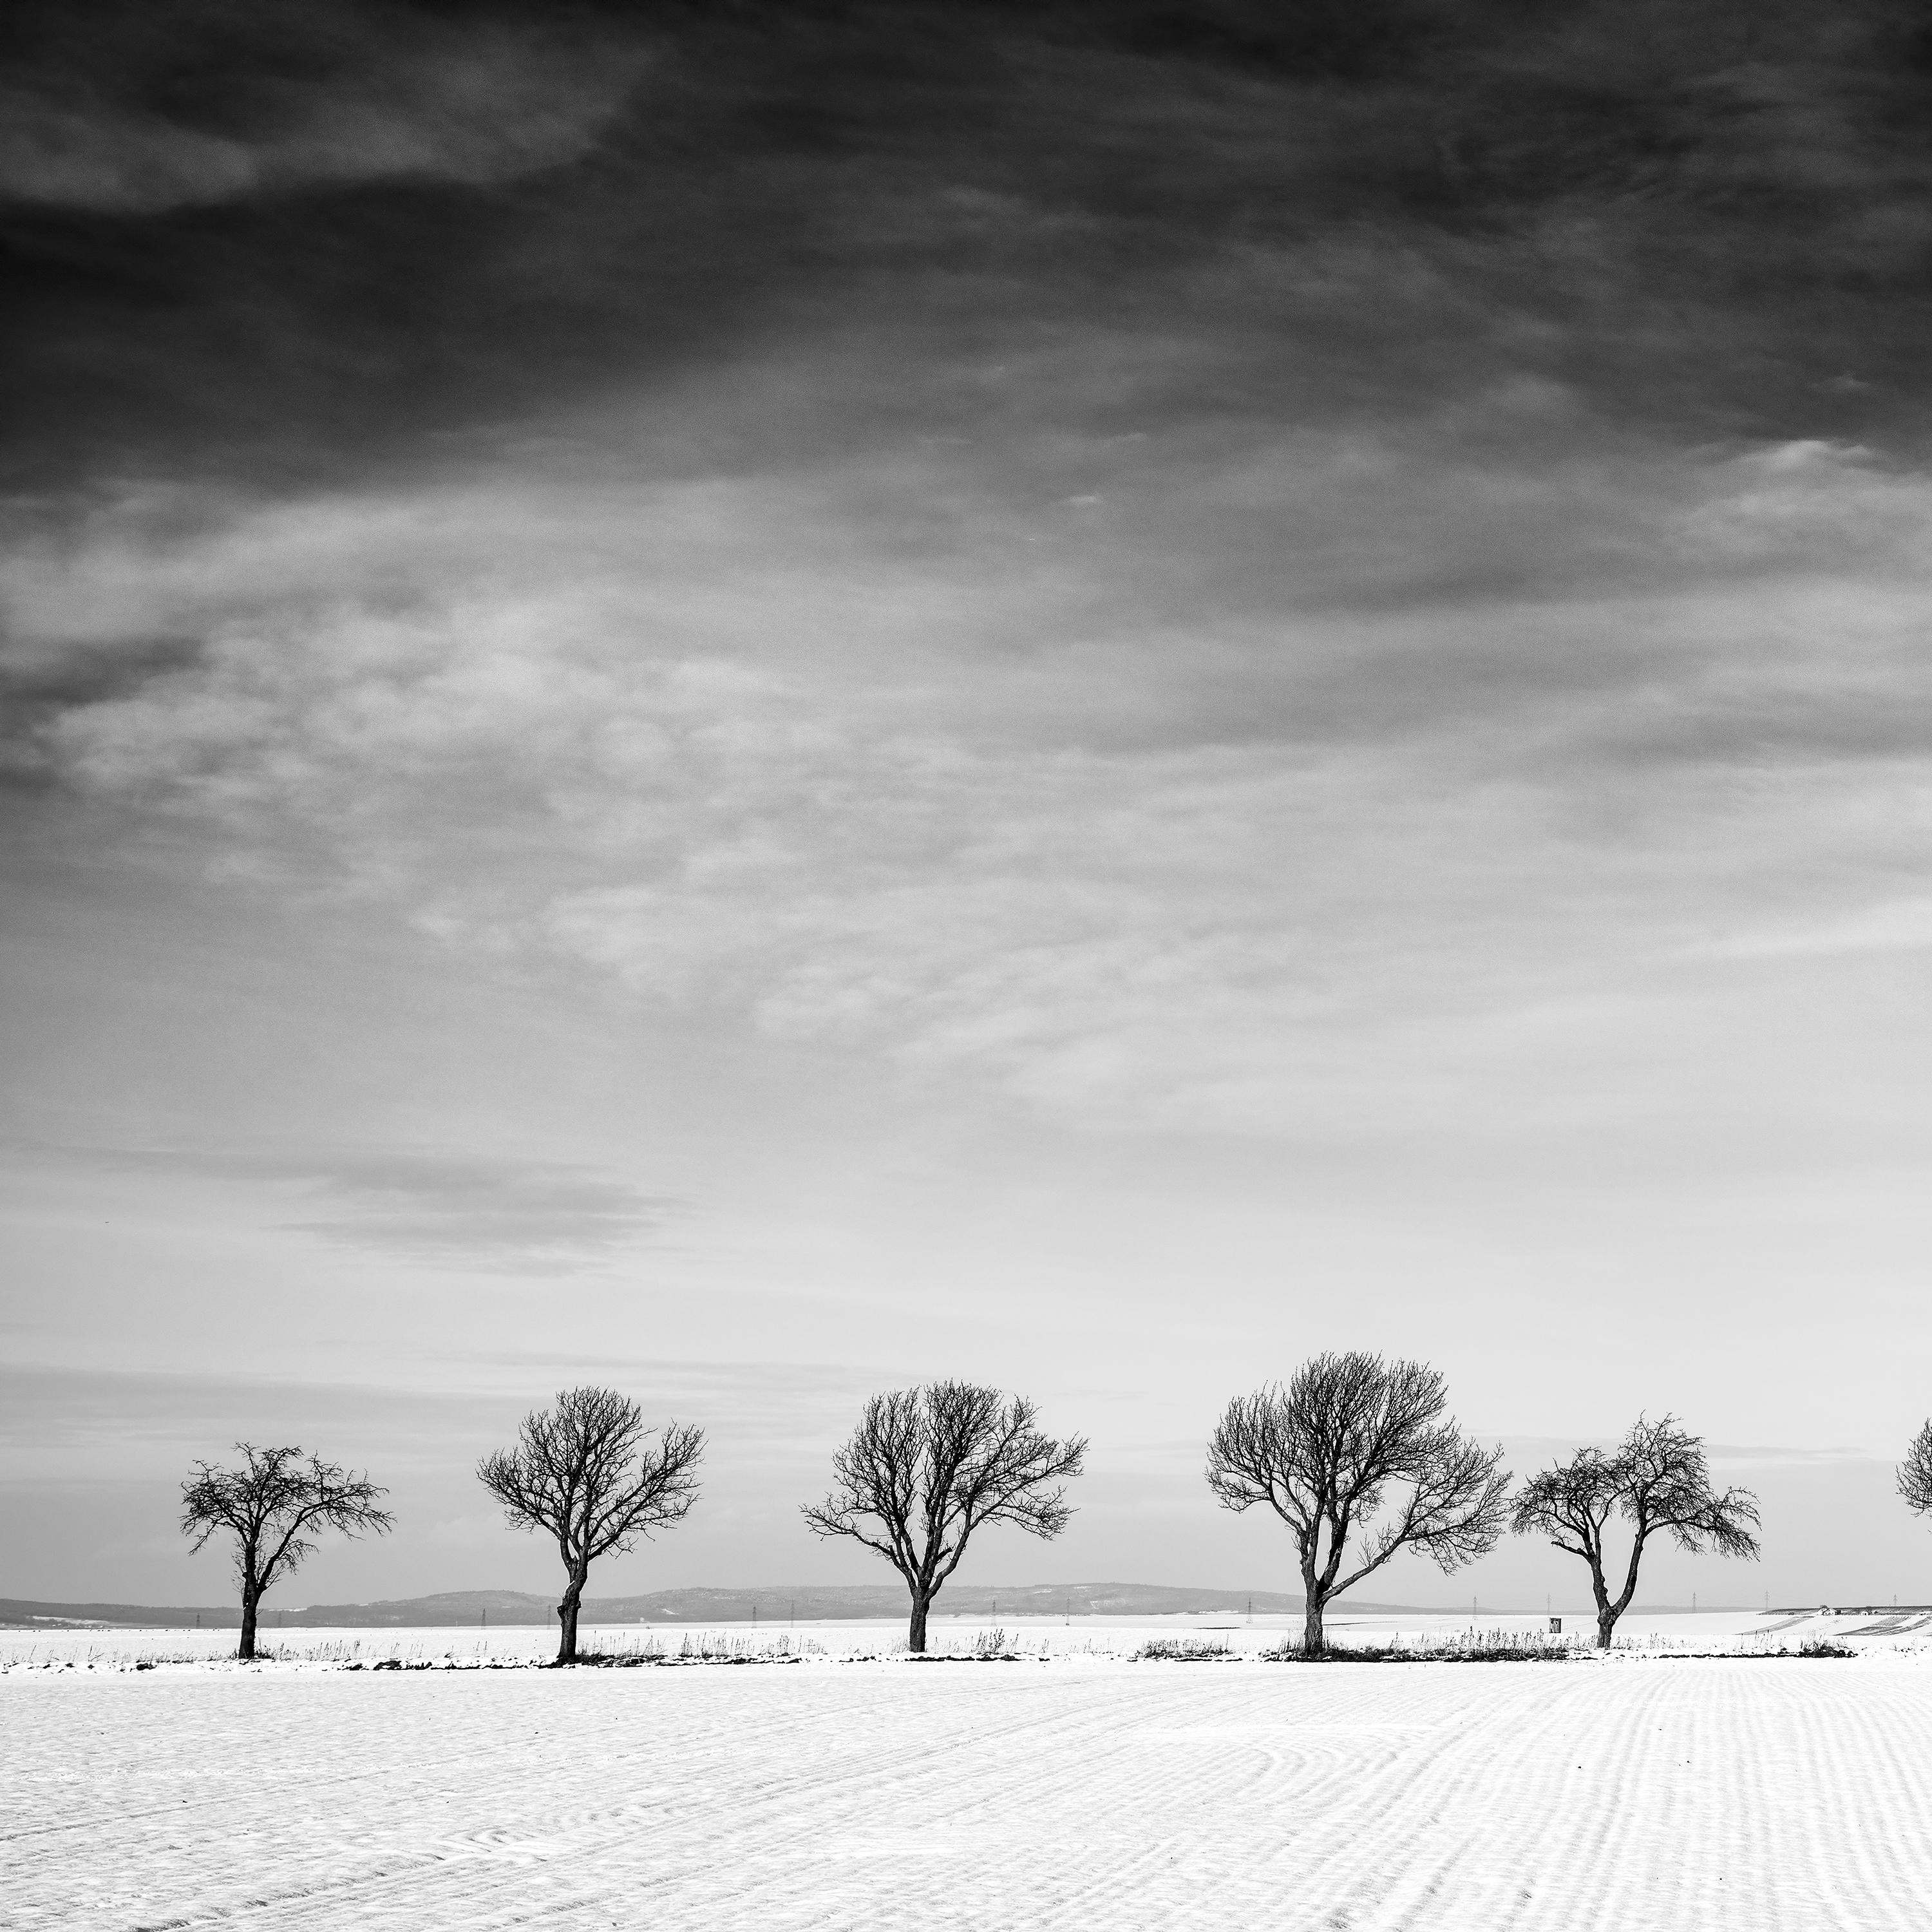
point(1738, 1796)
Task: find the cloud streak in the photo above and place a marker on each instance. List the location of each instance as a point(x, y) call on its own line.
point(218, 109)
point(464, 1211)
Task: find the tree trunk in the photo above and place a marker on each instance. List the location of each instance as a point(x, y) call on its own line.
point(250, 1597)
point(566, 1617)
point(1607, 1613)
point(1314, 1598)
point(916, 1633)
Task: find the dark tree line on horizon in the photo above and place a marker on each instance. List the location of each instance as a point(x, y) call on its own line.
point(1355, 1454)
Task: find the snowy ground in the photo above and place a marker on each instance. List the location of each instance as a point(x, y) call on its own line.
point(1643, 1790)
point(1742, 1631)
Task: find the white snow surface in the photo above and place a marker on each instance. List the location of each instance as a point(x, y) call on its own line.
point(1076, 1790)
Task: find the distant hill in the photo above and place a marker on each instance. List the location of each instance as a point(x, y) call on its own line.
point(22, 1613)
point(772, 1603)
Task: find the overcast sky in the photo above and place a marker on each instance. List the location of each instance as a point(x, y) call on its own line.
point(762, 700)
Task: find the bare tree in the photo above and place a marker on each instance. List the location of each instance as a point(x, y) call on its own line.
point(1914, 1473)
point(1658, 1481)
point(586, 1471)
point(1323, 1453)
point(927, 1466)
point(269, 1505)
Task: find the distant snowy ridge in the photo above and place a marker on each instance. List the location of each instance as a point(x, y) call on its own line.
point(776, 1603)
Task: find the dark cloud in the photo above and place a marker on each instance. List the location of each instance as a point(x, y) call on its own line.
point(1320, 40)
point(135, 111)
point(39, 689)
point(1708, 222)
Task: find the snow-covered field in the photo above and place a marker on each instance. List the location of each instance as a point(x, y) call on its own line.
point(1742, 1631)
point(1083, 1790)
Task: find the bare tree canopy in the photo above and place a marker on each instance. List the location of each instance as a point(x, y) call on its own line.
point(1914, 1473)
point(588, 1472)
point(926, 1467)
point(1324, 1452)
point(1657, 1480)
point(270, 1505)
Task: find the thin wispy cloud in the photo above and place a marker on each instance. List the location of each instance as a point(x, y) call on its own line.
point(462, 1211)
point(59, 1412)
point(1199, 869)
point(465, 1211)
point(69, 1414)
